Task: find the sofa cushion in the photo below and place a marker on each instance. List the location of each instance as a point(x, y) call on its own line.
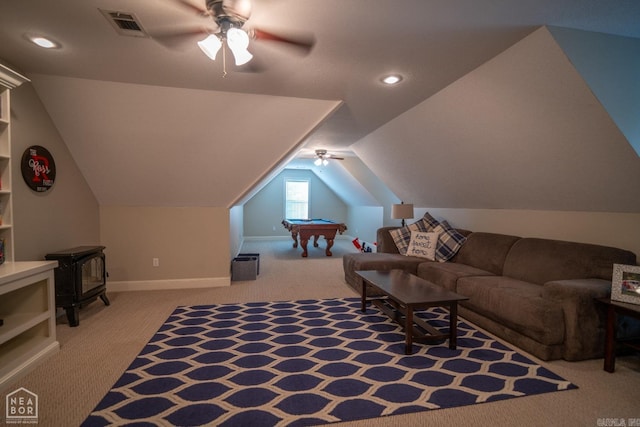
point(449, 241)
point(486, 251)
point(517, 304)
point(384, 241)
point(380, 261)
point(423, 245)
point(583, 318)
point(446, 274)
point(543, 260)
point(376, 261)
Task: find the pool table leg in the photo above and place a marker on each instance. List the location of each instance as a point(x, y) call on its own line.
point(315, 240)
point(329, 244)
point(294, 236)
point(303, 244)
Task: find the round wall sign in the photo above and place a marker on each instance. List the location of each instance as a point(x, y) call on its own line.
point(38, 168)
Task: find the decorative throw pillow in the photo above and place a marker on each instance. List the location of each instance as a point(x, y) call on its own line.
point(402, 236)
point(423, 245)
point(429, 221)
point(449, 242)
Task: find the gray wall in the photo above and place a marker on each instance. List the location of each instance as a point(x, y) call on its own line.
point(191, 244)
point(364, 222)
point(68, 215)
point(236, 233)
point(377, 189)
point(610, 65)
point(264, 212)
point(65, 216)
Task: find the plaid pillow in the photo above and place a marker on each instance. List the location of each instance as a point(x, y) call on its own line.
point(402, 236)
point(430, 221)
point(449, 242)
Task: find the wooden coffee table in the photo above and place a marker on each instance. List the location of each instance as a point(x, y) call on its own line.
point(403, 293)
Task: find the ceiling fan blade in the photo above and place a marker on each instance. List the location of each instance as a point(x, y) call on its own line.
point(336, 158)
point(195, 9)
point(175, 39)
point(302, 43)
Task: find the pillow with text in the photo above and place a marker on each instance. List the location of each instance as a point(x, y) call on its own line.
point(423, 245)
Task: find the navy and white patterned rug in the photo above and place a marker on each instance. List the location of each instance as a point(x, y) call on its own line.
point(309, 362)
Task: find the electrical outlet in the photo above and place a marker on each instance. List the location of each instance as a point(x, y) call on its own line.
point(156, 262)
point(274, 228)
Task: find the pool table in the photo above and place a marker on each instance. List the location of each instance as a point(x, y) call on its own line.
point(305, 228)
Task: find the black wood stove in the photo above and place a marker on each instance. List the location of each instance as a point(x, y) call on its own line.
point(80, 278)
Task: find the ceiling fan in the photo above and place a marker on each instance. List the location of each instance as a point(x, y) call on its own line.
point(322, 157)
point(229, 18)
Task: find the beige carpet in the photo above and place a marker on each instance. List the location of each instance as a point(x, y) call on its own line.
point(95, 354)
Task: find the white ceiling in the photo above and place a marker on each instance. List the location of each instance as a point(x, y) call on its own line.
point(522, 131)
point(189, 149)
point(120, 99)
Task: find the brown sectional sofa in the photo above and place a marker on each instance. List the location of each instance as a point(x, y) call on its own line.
point(537, 294)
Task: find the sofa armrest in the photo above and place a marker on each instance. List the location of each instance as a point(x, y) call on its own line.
point(583, 315)
point(385, 242)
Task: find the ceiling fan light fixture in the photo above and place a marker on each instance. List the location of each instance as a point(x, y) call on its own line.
point(210, 46)
point(238, 41)
point(322, 158)
point(242, 56)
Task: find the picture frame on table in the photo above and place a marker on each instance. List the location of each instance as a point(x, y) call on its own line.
point(625, 284)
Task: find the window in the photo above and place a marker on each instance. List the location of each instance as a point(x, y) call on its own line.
point(296, 199)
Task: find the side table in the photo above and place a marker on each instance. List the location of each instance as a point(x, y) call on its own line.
point(614, 308)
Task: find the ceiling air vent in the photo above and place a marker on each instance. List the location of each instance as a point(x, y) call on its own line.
point(125, 23)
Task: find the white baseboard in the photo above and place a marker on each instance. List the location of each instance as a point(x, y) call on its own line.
point(267, 237)
point(338, 237)
point(160, 285)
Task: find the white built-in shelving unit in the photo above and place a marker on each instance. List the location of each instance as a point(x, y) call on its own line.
point(6, 209)
point(27, 301)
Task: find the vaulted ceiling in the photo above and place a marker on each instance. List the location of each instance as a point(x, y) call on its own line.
point(523, 131)
point(486, 95)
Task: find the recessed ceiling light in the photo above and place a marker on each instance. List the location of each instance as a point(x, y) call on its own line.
point(44, 42)
point(392, 79)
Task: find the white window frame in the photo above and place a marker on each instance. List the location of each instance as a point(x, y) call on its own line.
point(286, 199)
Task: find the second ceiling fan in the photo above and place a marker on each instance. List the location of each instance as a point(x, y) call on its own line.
point(322, 157)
